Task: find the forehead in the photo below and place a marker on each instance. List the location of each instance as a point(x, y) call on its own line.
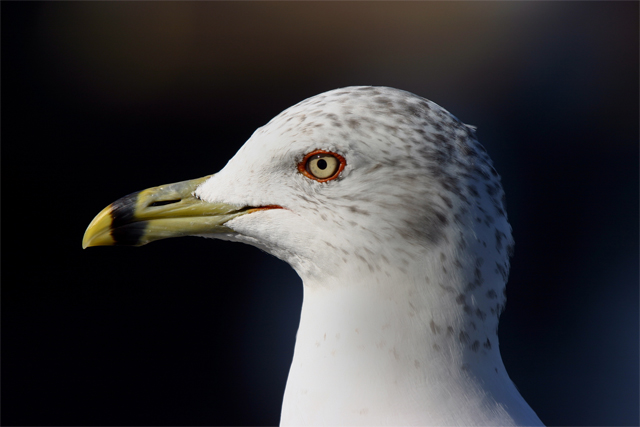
point(370, 118)
point(358, 106)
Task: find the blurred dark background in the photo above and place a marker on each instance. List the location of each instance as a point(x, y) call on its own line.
point(103, 99)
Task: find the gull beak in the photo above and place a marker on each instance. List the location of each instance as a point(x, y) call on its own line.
point(159, 213)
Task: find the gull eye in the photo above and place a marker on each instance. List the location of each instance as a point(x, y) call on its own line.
point(322, 165)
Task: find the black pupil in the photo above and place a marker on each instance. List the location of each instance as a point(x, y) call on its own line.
point(322, 164)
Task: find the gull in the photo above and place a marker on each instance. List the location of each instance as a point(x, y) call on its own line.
point(391, 212)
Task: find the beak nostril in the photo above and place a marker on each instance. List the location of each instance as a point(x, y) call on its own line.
point(163, 202)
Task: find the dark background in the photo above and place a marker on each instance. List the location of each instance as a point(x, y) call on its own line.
point(103, 99)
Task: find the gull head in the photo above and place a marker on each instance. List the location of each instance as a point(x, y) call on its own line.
point(393, 215)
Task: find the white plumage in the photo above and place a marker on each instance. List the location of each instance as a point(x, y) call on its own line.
point(404, 258)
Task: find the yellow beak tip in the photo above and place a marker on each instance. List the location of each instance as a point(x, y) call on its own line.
point(99, 232)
